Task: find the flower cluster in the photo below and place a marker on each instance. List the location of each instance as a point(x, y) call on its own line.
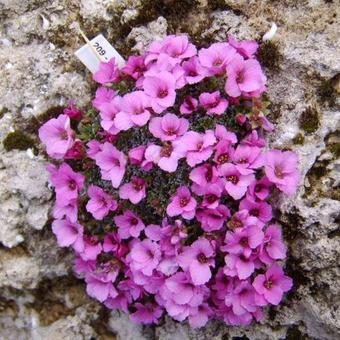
point(163, 189)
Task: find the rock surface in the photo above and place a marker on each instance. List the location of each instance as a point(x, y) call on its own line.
point(39, 297)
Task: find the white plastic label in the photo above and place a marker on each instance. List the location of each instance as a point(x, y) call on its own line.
point(104, 52)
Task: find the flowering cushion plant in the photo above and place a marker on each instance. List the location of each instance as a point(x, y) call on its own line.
point(163, 188)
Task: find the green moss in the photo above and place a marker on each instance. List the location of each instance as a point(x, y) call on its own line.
point(3, 110)
point(269, 55)
point(293, 333)
point(309, 120)
point(299, 139)
point(335, 150)
point(17, 140)
point(327, 92)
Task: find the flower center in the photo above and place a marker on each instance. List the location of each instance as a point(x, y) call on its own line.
point(72, 184)
point(209, 175)
point(199, 145)
point(202, 258)
point(221, 159)
point(244, 242)
point(166, 150)
point(211, 198)
point(278, 172)
point(240, 77)
point(63, 135)
point(243, 161)
point(170, 132)
point(268, 284)
point(258, 187)
point(133, 221)
point(162, 93)
point(218, 62)
point(192, 73)
point(233, 179)
point(254, 212)
point(137, 186)
point(183, 201)
point(235, 223)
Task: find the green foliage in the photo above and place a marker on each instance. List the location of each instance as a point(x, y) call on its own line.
point(309, 120)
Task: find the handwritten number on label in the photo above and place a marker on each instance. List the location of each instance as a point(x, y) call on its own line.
point(99, 49)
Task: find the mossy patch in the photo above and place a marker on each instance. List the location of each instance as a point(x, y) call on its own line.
point(328, 90)
point(3, 110)
point(17, 140)
point(298, 139)
point(309, 120)
point(269, 55)
point(293, 333)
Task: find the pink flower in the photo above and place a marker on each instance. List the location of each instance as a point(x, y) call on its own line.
point(213, 219)
point(112, 163)
point(137, 157)
point(247, 48)
point(199, 146)
point(281, 169)
point(100, 203)
point(261, 210)
point(193, 70)
point(108, 72)
point(236, 184)
point(212, 196)
point(67, 209)
point(147, 313)
point(134, 67)
point(203, 177)
point(253, 139)
point(134, 191)
point(145, 256)
point(216, 57)
point(103, 95)
point(57, 135)
point(188, 106)
point(223, 152)
point(113, 243)
point(92, 248)
point(197, 259)
point(259, 189)
point(161, 90)
point(177, 47)
point(247, 158)
point(182, 203)
point(199, 315)
point(99, 280)
point(129, 224)
point(222, 134)
point(243, 241)
point(72, 111)
point(133, 112)
point(244, 77)
point(241, 298)
point(93, 147)
point(273, 247)
point(68, 234)
point(239, 265)
point(166, 156)
point(76, 152)
point(66, 182)
point(168, 127)
point(108, 112)
point(213, 103)
point(242, 219)
point(272, 284)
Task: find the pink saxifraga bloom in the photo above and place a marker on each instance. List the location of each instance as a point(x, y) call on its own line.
point(168, 127)
point(147, 313)
point(161, 90)
point(112, 164)
point(182, 203)
point(199, 146)
point(103, 95)
point(247, 48)
point(236, 184)
point(272, 284)
point(108, 72)
point(193, 71)
point(188, 106)
point(69, 234)
point(134, 67)
point(100, 203)
point(134, 191)
point(213, 219)
point(129, 224)
point(197, 259)
point(213, 103)
point(281, 169)
point(133, 111)
point(244, 77)
point(145, 256)
point(166, 156)
point(57, 135)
